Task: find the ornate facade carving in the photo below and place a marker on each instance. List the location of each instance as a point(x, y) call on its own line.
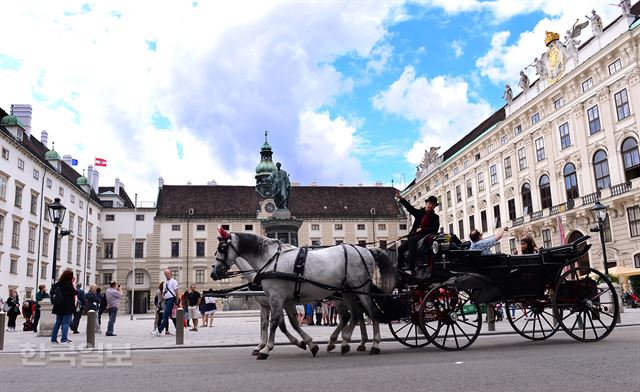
point(603, 94)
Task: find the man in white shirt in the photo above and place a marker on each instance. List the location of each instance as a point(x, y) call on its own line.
point(170, 294)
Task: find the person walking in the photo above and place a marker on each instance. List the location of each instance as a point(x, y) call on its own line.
point(158, 302)
point(210, 308)
point(40, 295)
point(103, 306)
point(92, 302)
point(193, 300)
point(170, 297)
point(113, 302)
point(64, 307)
point(80, 304)
point(13, 309)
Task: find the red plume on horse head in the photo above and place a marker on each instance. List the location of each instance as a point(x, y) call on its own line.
point(223, 234)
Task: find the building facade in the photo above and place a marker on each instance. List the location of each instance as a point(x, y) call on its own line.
point(540, 163)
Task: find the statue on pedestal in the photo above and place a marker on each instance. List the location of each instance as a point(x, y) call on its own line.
point(508, 94)
point(596, 23)
point(280, 187)
point(524, 81)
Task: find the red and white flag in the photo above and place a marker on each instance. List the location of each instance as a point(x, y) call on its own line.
point(563, 239)
point(100, 162)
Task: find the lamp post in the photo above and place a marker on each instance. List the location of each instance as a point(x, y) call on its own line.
point(56, 216)
point(599, 212)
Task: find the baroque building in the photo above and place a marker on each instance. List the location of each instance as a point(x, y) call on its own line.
point(540, 163)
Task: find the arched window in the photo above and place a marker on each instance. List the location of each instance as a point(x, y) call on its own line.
point(630, 158)
point(545, 192)
point(571, 181)
point(601, 170)
point(527, 205)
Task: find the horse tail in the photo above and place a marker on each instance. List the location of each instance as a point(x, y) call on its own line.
point(387, 263)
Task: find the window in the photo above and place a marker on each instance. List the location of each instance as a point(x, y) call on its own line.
point(594, 120)
point(472, 223)
point(200, 249)
point(477, 156)
point(337, 226)
point(361, 226)
point(106, 277)
point(615, 67)
point(362, 243)
point(503, 140)
point(110, 217)
point(587, 84)
point(490, 148)
point(382, 226)
point(630, 158)
point(139, 251)
point(446, 176)
point(70, 251)
point(139, 278)
point(315, 243)
point(558, 103)
point(636, 260)
point(494, 174)
point(248, 227)
point(80, 221)
point(49, 183)
point(177, 228)
point(30, 269)
point(339, 242)
point(383, 244)
point(80, 204)
point(18, 199)
point(315, 227)
point(36, 174)
point(545, 192)
point(43, 271)
point(107, 203)
point(483, 220)
point(622, 104)
point(5, 153)
point(527, 204)
point(34, 204)
point(546, 238)
point(448, 198)
point(571, 181)
point(3, 187)
point(175, 248)
point(58, 250)
point(469, 188)
point(45, 243)
point(61, 191)
point(225, 227)
point(20, 164)
point(601, 170)
point(139, 217)
point(32, 239)
point(606, 225)
point(511, 203)
point(402, 226)
point(72, 218)
point(535, 118)
point(458, 194)
point(634, 220)
point(466, 163)
point(517, 130)
point(496, 217)
point(461, 228)
point(200, 227)
point(540, 149)
point(522, 159)
point(200, 276)
point(565, 138)
point(13, 268)
point(73, 199)
point(512, 246)
point(108, 250)
point(450, 228)
point(15, 237)
point(89, 256)
point(456, 170)
point(498, 248)
point(480, 182)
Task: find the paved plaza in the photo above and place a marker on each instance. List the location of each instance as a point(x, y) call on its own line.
point(230, 329)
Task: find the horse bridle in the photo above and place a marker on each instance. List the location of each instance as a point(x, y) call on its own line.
point(223, 247)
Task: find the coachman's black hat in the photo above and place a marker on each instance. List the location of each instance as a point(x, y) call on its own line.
point(431, 199)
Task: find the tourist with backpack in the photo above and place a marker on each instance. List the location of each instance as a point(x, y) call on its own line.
point(92, 302)
point(13, 309)
point(63, 295)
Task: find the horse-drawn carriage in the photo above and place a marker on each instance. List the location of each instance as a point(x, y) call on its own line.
point(542, 293)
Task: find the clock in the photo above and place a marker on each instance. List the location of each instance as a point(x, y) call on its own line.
point(269, 207)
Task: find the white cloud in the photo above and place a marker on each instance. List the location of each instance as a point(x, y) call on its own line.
point(457, 48)
point(441, 105)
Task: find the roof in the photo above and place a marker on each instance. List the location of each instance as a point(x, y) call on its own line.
point(477, 131)
point(243, 202)
point(110, 190)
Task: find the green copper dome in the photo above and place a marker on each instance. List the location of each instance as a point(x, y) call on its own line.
point(11, 120)
point(266, 146)
point(82, 180)
point(265, 166)
point(52, 155)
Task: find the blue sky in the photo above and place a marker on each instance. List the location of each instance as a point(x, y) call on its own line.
point(351, 92)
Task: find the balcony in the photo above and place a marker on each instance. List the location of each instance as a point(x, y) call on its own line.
point(536, 215)
point(591, 198)
point(517, 222)
point(620, 188)
point(568, 205)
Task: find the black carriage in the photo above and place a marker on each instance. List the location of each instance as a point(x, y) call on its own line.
point(542, 292)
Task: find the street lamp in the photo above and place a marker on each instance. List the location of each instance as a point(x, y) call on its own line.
point(56, 216)
point(599, 212)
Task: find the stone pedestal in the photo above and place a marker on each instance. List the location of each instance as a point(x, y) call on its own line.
point(47, 318)
point(282, 226)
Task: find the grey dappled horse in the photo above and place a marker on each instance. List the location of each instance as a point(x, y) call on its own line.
point(325, 266)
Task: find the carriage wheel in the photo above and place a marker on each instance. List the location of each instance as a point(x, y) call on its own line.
point(585, 304)
point(450, 317)
point(406, 330)
point(533, 319)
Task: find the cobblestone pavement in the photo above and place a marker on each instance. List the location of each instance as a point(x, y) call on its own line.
point(229, 329)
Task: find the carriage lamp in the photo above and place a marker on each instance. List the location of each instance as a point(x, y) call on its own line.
point(56, 216)
point(435, 247)
point(56, 211)
point(599, 212)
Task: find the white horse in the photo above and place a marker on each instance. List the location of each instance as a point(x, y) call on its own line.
point(340, 268)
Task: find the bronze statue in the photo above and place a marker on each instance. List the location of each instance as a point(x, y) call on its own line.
point(280, 186)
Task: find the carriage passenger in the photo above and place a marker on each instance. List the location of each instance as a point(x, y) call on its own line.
point(485, 244)
point(528, 245)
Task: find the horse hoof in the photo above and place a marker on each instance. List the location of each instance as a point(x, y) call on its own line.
point(330, 347)
point(315, 350)
point(362, 348)
point(255, 352)
point(374, 351)
point(262, 356)
point(302, 345)
point(344, 350)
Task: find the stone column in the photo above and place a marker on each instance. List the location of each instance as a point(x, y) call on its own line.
point(47, 318)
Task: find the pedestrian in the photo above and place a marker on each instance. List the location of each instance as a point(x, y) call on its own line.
point(308, 314)
point(63, 307)
point(40, 295)
point(300, 314)
point(80, 304)
point(318, 307)
point(170, 299)
point(185, 308)
point(333, 315)
point(92, 302)
point(103, 306)
point(113, 302)
point(193, 300)
point(158, 301)
point(13, 309)
point(210, 308)
point(325, 312)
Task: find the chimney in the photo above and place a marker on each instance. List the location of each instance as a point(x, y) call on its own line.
point(313, 183)
point(212, 182)
point(66, 158)
point(23, 113)
point(379, 183)
point(160, 182)
point(295, 183)
point(189, 183)
point(44, 137)
point(116, 188)
point(94, 180)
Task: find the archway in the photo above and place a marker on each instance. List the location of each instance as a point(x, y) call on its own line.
point(584, 260)
point(142, 291)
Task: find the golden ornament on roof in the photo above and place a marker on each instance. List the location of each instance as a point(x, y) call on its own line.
point(550, 37)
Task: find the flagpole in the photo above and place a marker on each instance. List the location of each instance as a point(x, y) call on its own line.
point(133, 272)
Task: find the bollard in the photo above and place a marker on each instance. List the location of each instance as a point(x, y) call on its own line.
point(180, 326)
point(2, 316)
point(491, 318)
point(91, 328)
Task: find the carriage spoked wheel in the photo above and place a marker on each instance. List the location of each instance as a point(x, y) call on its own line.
point(406, 330)
point(585, 304)
point(533, 319)
point(450, 317)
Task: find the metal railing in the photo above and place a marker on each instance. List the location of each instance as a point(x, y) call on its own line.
point(591, 198)
point(517, 222)
point(536, 215)
point(620, 188)
point(558, 208)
